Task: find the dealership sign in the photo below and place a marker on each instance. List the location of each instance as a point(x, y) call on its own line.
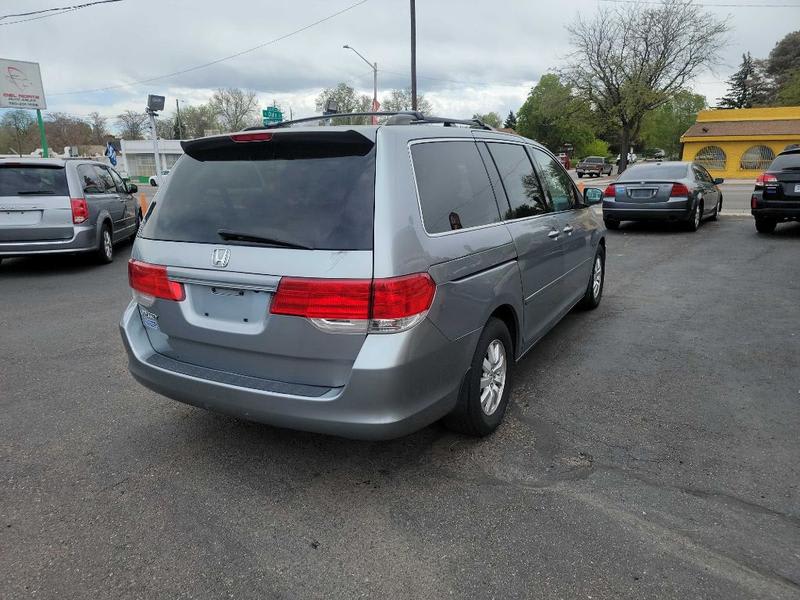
point(20, 85)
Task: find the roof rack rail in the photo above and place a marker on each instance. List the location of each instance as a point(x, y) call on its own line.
point(411, 118)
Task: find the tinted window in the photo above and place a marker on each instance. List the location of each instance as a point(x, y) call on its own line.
point(120, 185)
point(556, 180)
point(32, 180)
point(702, 175)
point(525, 194)
point(90, 180)
point(454, 189)
point(785, 161)
point(105, 179)
point(655, 171)
point(315, 190)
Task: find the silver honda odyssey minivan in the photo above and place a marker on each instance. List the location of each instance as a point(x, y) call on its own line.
point(358, 280)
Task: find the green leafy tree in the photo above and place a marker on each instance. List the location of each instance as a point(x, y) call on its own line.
point(784, 59)
point(198, 120)
point(492, 119)
point(19, 126)
point(747, 87)
point(631, 59)
point(511, 120)
point(789, 92)
point(400, 100)
point(553, 116)
point(663, 127)
point(595, 148)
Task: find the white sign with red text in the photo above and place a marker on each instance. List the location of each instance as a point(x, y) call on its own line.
point(21, 85)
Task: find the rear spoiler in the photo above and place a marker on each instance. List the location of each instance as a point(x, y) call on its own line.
point(288, 145)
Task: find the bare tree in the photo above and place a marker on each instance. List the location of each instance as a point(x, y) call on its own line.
point(65, 130)
point(196, 120)
point(131, 125)
point(631, 60)
point(20, 123)
point(99, 125)
point(235, 108)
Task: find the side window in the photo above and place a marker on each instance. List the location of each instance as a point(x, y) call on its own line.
point(105, 179)
point(525, 195)
point(118, 183)
point(454, 189)
point(557, 181)
point(90, 180)
point(705, 175)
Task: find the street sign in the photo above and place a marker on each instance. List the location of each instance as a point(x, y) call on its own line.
point(21, 85)
point(271, 115)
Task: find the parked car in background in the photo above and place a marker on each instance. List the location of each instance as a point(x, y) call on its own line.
point(154, 179)
point(58, 206)
point(362, 281)
point(776, 197)
point(664, 191)
point(594, 166)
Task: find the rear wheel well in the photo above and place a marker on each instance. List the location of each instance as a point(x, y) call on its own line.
point(507, 315)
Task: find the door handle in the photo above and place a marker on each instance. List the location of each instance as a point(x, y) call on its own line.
point(568, 229)
point(553, 234)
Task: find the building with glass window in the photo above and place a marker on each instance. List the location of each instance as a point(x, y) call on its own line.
point(741, 143)
point(138, 161)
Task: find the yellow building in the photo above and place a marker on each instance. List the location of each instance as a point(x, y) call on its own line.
point(741, 143)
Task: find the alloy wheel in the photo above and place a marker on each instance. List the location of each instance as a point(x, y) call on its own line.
point(597, 277)
point(493, 377)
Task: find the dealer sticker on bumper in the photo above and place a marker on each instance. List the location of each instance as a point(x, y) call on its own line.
point(149, 319)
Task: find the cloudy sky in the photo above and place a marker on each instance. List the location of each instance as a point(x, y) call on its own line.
point(472, 56)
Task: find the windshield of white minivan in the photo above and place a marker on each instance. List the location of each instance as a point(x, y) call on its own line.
point(301, 194)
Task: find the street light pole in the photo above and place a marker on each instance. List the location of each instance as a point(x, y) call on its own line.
point(413, 55)
point(374, 67)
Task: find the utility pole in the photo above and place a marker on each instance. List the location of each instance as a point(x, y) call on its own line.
point(413, 55)
point(178, 109)
point(155, 104)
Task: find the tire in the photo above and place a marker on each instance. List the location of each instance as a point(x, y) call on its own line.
point(765, 225)
point(105, 248)
point(472, 416)
point(579, 175)
point(138, 224)
point(153, 182)
point(693, 223)
point(594, 289)
point(612, 225)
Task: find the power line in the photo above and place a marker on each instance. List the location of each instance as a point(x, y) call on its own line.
point(219, 60)
point(51, 12)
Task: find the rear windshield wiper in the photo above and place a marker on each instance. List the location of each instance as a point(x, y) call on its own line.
point(227, 234)
point(36, 193)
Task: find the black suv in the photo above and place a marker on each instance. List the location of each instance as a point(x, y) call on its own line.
point(777, 194)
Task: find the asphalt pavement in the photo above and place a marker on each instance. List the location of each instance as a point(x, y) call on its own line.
point(650, 451)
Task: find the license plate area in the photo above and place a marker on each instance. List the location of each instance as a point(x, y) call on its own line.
point(227, 308)
point(17, 218)
point(641, 193)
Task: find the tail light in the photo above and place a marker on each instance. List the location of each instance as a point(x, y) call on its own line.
point(357, 305)
point(80, 210)
point(149, 282)
point(753, 201)
point(679, 191)
point(766, 178)
point(610, 192)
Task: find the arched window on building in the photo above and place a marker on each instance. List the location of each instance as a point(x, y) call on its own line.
point(711, 157)
point(757, 158)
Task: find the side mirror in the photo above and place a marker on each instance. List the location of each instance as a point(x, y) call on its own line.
point(132, 188)
point(592, 196)
point(718, 180)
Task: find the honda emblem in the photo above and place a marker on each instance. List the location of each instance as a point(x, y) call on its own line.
point(220, 257)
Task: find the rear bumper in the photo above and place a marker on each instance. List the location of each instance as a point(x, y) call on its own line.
point(83, 240)
point(399, 383)
point(672, 210)
point(777, 210)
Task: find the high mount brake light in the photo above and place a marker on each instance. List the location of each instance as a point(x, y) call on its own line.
point(80, 210)
point(257, 136)
point(151, 281)
point(356, 305)
point(679, 191)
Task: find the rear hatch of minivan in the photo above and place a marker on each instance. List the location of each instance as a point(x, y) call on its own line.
point(241, 215)
point(34, 202)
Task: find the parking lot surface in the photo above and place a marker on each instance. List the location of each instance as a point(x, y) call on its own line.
point(651, 451)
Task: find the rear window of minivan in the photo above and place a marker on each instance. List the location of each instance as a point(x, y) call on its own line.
point(308, 192)
point(33, 180)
